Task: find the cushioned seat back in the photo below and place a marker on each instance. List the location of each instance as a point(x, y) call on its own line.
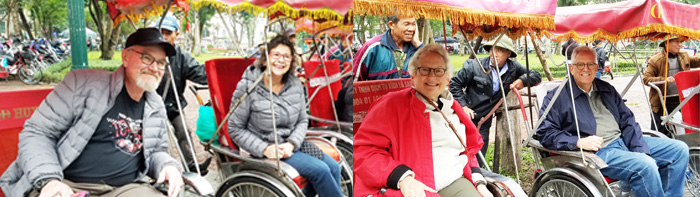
point(223, 75)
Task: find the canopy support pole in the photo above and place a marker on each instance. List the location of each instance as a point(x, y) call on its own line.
point(505, 104)
point(272, 103)
point(76, 21)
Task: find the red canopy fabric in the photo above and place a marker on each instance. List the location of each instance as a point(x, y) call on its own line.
point(485, 18)
point(633, 19)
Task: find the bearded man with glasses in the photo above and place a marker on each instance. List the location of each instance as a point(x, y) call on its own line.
point(477, 88)
point(652, 166)
point(100, 132)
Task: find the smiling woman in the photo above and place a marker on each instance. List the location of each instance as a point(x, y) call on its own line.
point(250, 126)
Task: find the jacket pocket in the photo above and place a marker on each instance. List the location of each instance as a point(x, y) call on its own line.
point(481, 84)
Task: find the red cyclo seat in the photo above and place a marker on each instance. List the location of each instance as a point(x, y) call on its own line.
point(223, 75)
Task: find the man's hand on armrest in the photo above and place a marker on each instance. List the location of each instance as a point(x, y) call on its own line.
point(591, 143)
point(173, 176)
point(55, 188)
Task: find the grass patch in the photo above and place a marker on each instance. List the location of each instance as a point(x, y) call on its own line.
point(54, 73)
point(526, 170)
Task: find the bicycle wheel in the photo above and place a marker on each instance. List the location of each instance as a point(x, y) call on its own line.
point(692, 177)
point(561, 186)
point(248, 186)
point(345, 181)
point(30, 74)
point(346, 150)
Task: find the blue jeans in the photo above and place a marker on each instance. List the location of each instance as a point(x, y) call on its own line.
point(597, 74)
point(323, 175)
point(661, 174)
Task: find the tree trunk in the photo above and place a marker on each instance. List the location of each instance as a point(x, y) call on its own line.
point(507, 163)
point(232, 35)
point(25, 24)
point(383, 24)
point(363, 29)
point(557, 48)
point(197, 49)
point(476, 45)
point(542, 60)
point(424, 30)
point(251, 24)
point(108, 44)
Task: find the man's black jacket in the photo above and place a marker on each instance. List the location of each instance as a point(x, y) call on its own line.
point(472, 88)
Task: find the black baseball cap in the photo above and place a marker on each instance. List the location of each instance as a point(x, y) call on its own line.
point(148, 37)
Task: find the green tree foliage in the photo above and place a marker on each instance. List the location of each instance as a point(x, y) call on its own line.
point(50, 15)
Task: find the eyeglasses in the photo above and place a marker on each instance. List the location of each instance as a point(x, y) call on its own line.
point(148, 60)
point(425, 71)
point(285, 57)
point(588, 65)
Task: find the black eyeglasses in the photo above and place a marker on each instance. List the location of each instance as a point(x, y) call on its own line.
point(148, 60)
point(589, 65)
point(425, 71)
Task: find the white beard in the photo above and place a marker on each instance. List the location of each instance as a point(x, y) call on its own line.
point(147, 83)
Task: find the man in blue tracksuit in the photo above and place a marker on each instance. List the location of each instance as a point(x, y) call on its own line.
point(387, 56)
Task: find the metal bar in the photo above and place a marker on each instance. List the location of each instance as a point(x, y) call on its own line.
point(328, 82)
point(170, 3)
point(687, 98)
point(272, 103)
point(182, 119)
point(444, 32)
point(505, 104)
point(546, 110)
point(636, 75)
point(573, 103)
point(471, 48)
point(529, 86)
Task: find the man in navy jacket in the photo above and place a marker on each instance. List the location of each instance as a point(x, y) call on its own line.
point(653, 166)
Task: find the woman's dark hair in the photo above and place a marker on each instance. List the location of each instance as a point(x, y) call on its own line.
point(277, 41)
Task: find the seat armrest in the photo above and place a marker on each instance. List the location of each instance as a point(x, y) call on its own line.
point(199, 183)
point(652, 133)
point(591, 158)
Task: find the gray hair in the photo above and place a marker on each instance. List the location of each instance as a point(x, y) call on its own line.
point(435, 48)
point(583, 48)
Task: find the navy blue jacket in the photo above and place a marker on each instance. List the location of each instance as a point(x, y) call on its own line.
point(558, 130)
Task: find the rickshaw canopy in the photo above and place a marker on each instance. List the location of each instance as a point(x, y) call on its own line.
point(318, 10)
point(310, 26)
point(633, 19)
point(476, 18)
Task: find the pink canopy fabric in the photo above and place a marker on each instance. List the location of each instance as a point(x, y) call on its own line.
point(633, 19)
point(476, 17)
point(310, 26)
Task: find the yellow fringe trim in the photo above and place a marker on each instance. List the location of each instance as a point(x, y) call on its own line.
point(279, 6)
point(459, 16)
point(146, 12)
point(637, 33)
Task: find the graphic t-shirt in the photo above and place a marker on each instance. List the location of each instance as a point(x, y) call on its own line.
point(113, 155)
